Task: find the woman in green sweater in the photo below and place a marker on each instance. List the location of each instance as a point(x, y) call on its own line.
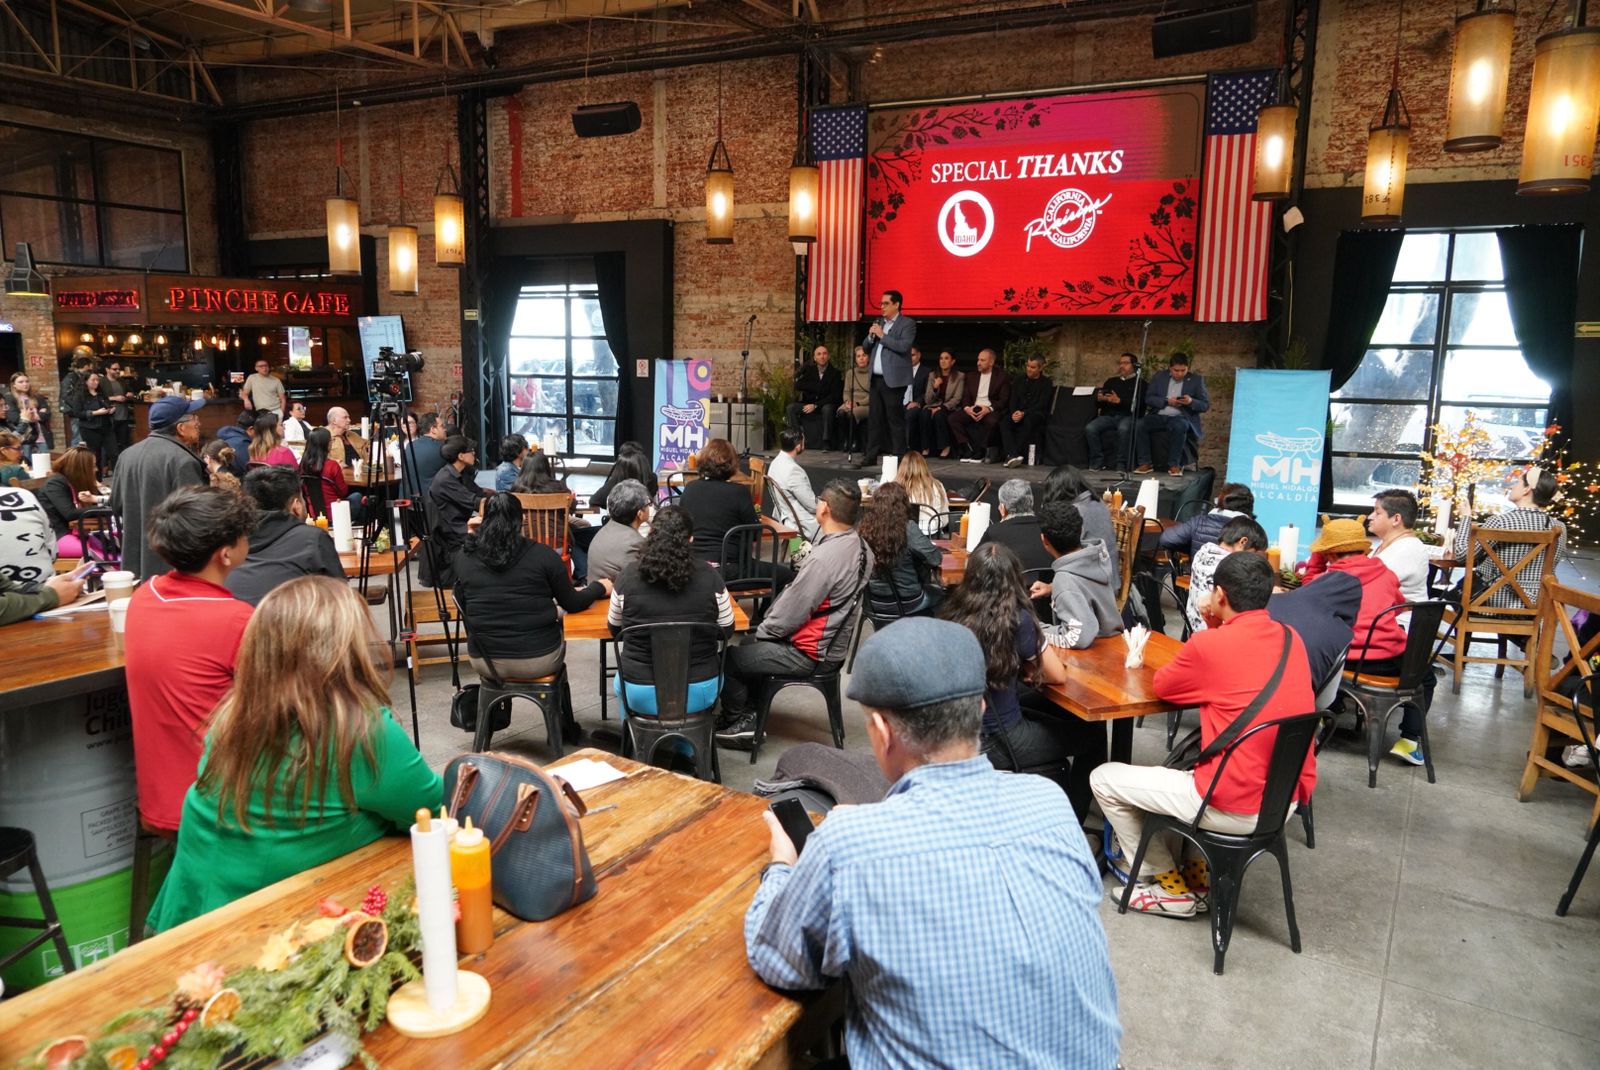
point(303, 761)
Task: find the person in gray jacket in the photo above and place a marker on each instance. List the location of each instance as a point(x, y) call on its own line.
point(616, 545)
point(152, 469)
point(1081, 595)
point(809, 623)
point(283, 546)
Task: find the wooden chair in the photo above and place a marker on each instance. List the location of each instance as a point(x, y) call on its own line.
point(1509, 552)
point(422, 609)
point(1128, 524)
point(758, 481)
point(544, 519)
point(1555, 717)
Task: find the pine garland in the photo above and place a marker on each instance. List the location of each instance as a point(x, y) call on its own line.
point(281, 1010)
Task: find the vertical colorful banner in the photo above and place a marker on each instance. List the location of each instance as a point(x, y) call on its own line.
point(682, 411)
point(1279, 424)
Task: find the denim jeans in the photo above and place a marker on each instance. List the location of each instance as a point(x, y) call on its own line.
point(1095, 432)
point(1177, 429)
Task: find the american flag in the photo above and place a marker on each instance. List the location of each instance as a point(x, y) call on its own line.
point(833, 282)
point(1235, 232)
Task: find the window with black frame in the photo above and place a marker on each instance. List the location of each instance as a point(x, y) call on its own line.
point(92, 202)
point(562, 374)
point(1443, 347)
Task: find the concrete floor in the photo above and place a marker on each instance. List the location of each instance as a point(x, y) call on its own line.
point(1427, 911)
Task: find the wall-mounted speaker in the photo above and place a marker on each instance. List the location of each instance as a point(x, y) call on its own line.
point(606, 120)
point(1197, 31)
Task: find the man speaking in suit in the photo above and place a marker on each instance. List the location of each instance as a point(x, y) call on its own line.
point(888, 344)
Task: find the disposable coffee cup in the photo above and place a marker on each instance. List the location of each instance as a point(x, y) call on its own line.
point(119, 616)
point(118, 586)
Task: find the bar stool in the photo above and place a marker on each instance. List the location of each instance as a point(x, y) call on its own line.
point(16, 854)
point(145, 844)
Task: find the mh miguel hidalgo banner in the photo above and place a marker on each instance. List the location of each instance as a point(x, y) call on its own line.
point(1083, 204)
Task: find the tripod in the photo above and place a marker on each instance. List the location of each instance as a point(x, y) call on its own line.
point(1138, 406)
point(744, 386)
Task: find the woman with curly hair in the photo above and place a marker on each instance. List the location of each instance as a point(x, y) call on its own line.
point(903, 557)
point(670, 583)
point(992, 603)
point(508, 588)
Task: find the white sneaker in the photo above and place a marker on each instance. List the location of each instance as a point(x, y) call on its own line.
point(1151, 898)
point(1575, 756)
point(1014, 462)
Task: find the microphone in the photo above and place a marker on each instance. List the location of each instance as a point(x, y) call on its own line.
point(1147, 324)
point(751, 320)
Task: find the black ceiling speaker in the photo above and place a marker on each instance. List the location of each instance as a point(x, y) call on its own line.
point(1197, 31)
point(606, 120)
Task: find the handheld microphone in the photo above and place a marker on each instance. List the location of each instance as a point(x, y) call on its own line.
point(1147, 324)
point(751, 320)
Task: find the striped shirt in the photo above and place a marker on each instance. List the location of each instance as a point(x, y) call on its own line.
point(963, 910)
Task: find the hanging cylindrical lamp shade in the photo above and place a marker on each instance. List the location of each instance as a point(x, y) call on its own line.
point(1388, 143)
point(1274, 170)
point(1563, 111)
point(449, 230)
point(803, 184)
point(403, 259)
point(344, 236)
point(719, 196)
point(1479, 75)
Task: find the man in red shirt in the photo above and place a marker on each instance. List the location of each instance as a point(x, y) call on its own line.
point(1221, 670)
point(183, 635)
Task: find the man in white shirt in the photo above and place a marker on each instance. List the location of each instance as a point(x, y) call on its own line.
point(1394, 512)
point(786, 473)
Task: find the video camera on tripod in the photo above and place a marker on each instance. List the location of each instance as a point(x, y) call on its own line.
point(389, 379)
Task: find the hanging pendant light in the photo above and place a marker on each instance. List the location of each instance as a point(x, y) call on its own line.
point(344, 213)
point(1479, 75)
point(1388, 143)
point(804, 181)
point(403, 249)
point(1274, 170)
point(1563, 109)
point(719, 185)
point(449, 217)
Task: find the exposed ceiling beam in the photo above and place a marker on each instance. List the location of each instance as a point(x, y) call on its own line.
point(323, 38)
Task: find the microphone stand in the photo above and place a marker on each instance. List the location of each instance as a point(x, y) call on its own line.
point(744, 386)
point(850, 432)
point(1138, 405)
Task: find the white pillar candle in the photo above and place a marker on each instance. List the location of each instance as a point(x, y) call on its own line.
point(891, 465)
point(430, 861)
point(342, 540)
point(977, 522)
point(41, 464)
point(1441, 520)
point(366, 427)
point(1149, 496)
point(1288, 545)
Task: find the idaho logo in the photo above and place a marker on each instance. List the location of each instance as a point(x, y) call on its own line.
point(961, 233)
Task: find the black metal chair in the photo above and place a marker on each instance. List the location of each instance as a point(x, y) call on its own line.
point(1327, 695)
point(670, 649)
point(550, 693)
point(744, 571)
point(17, 853)
point(99, 531)
point(1228, 855)
point(146, 842)
point(1586, 728)
point(823, 678)
point(931, 517)
point(1423, 643)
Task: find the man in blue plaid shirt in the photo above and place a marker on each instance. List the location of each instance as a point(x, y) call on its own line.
point(963, 907)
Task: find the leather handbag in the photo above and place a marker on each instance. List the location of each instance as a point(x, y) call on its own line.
point(531, 817)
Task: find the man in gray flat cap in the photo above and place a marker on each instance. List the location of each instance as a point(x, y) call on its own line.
point(936, 900)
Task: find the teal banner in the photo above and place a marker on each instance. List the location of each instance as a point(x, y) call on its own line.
point(1279, 423)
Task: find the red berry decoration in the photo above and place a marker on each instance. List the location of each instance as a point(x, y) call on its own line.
point(376, 901)
point(158, 1053)
point(191, 1014)
point(171, 1038)
point(145, 1063)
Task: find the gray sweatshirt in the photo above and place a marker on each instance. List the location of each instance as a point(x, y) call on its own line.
point(1082, 598)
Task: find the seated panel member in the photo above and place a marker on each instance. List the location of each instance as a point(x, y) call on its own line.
point(817, 389)
point(916, 393)
point(1175, 399)
point(1023, 425)
point(937, 901)
point(855, 404)
point(1115, 401)
point(943, 396)
point(985, 395)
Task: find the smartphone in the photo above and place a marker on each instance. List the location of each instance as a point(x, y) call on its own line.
point(796, 821)
point(85, 569)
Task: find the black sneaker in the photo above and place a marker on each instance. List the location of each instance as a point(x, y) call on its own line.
point(740, 735)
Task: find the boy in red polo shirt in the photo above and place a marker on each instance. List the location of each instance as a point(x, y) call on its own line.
point(183, 635)
point(1221, 670)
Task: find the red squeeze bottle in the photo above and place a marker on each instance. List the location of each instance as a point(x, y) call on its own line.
point(469, 872)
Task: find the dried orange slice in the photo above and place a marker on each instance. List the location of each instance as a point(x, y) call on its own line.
point(366, 941)
point(125, 1057)
point(61, 1053)
point(220, 1007)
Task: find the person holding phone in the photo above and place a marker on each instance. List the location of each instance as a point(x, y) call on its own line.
point(18, 603)
point(932, 919)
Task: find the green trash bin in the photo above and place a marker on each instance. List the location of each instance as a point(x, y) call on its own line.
point(66, 775)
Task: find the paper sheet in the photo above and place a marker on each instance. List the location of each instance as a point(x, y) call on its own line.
point(87, 603)
point(1082, 391)
point(586, 773)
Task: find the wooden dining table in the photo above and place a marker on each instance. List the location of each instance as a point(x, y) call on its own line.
point(591, 622)
point(1099, 687)
point(649, 972)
